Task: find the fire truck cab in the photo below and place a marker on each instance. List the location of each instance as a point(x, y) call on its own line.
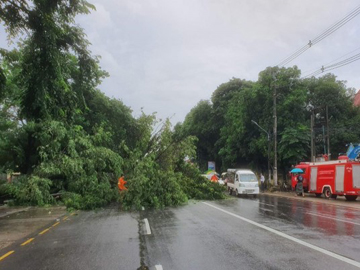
point(332, 178)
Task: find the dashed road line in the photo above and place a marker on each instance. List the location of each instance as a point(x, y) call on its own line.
point(266, 210)
point(324, 251)
point(147, 226)
point(7, 254)
point(158, 267)
point(44, 231)
point(41, 233)
point(27, 242)
point(73, 214)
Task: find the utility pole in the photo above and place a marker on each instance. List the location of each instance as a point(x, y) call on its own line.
point(312, 136)
point(275, 135)
point(268, 139)
point(328, 132)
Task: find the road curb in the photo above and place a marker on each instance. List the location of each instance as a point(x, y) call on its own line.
point(14, 212)
point(310, 198)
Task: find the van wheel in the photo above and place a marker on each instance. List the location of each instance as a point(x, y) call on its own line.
point(229, 191)
point(327, 193)
point(318, 195)
point(351, 197)
point(236, 193)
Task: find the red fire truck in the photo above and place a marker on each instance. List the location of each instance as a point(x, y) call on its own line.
point(332, 178)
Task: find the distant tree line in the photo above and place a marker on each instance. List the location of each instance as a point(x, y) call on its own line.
point(227, 135)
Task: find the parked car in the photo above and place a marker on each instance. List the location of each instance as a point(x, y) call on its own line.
point(242, 182)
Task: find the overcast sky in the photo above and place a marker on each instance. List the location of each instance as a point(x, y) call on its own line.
point(165, 55)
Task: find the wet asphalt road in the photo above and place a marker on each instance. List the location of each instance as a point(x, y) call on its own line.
point(238, 233)
point(107, 239)
point(199, 236)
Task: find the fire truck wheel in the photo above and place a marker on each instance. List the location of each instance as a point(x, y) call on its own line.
point(230, 191)
point(327, 193)
point(350, 197)
point(318, 195)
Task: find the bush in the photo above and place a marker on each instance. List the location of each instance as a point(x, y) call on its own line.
point(198, 187)
point(149, 186)
point(31, 190)
point(88, 201)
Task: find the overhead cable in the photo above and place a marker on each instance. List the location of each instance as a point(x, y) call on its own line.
point(327, 64)
point(339, 64)
point(320, 37)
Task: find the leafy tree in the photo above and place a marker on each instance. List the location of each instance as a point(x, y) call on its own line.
point(199, 123)
point(160, 176)
point(65, 135)
point(52, 79)
point(324, 92)
point(294, 145)
point(241, 143)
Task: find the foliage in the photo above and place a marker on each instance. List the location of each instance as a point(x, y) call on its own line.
point(64, 135)
point(241, 143)
point(294, 144)
point(199, 123)
point(198, 187)
point(160, 177)
point(31, 190)
point(54, 44)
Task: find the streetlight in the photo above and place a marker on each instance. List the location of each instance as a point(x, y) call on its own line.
point(268, 137)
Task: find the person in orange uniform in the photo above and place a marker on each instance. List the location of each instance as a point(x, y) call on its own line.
point(121, 183)
point(214, 178)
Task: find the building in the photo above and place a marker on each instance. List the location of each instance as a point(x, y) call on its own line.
point(357, 99)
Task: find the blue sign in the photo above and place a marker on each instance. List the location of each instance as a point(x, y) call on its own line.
point(211, 165)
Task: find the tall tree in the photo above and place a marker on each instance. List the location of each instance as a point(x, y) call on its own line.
point(199, 123)
point(56, 65)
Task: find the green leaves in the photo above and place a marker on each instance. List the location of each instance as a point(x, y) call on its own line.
point(31, 190)
point(294, 144)
point(224, 128)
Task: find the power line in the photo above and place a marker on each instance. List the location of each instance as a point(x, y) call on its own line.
point(339, 64)
point(315, 69)
point(320, 37)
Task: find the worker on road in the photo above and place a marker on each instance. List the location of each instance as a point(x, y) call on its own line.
point(299, 186)
point(214, 178)
point(262, 181)
point(121, 183)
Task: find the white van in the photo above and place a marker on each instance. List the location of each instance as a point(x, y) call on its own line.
point(242, 181)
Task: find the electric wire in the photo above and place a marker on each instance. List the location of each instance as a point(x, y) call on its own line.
point(320, 37)
point(339, 64)
point(315, 69)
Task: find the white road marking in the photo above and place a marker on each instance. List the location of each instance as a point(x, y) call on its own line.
point(147, 226)
point(267, 204)
point(323, 216)
point(158, 267)
point(266, 210)
point(324, 251)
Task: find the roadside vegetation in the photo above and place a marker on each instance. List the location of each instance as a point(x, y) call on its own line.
point(228, 136)
point(64, 136)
